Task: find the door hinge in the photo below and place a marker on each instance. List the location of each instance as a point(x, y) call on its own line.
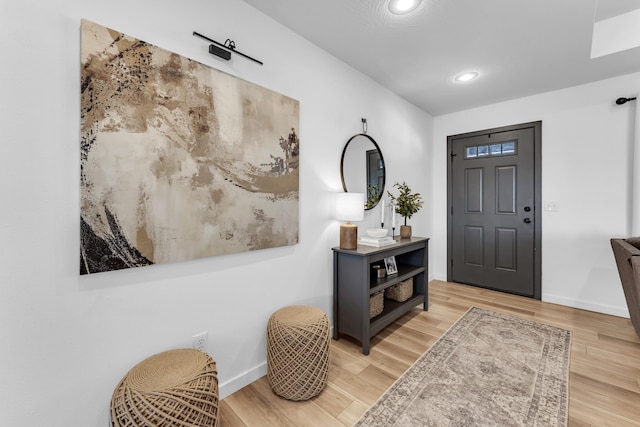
point(451, 210)
point(452, 155)
point(451, 262)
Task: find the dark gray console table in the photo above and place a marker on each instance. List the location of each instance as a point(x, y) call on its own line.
point(354, 282)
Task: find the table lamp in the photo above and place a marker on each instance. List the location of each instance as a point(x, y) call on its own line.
point(349, 207)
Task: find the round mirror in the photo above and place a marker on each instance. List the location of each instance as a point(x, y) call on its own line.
point(362, 169)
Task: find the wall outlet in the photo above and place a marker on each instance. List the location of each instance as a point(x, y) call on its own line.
point(551, 206)
point(200, 341)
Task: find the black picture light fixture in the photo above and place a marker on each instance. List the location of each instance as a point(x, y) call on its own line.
point(218, 51)
point(621, 101)
point(224, 50)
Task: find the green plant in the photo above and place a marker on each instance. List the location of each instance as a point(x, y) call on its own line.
point(406, 204)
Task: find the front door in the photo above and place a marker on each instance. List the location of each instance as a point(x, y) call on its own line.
point(375, 173)
point(494, 200)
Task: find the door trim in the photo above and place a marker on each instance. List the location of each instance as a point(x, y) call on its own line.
point(537, 194)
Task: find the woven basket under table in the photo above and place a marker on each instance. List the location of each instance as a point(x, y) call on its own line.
point(175, 388)
point(400, 292)
point(376, 304)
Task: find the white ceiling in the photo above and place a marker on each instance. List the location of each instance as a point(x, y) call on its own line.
point(519, 47)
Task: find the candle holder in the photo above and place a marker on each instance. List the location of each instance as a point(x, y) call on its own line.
point(393, 219)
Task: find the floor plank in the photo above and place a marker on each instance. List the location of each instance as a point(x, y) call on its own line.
point(604, 368)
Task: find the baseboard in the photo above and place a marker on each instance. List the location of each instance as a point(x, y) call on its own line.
point(586, 305)
point(243, 380)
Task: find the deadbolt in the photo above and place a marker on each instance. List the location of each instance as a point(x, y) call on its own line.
point(527, 208)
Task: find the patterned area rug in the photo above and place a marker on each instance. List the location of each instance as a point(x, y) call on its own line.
point(488, 369)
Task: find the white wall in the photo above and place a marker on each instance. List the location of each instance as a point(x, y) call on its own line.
point(67, 340)
point(586, 167)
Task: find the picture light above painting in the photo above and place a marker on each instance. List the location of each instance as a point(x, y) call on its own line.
point(179, 161)
point(224, 50)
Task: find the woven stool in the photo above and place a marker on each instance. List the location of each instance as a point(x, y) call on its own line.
point(174, 388)
point(298, 352)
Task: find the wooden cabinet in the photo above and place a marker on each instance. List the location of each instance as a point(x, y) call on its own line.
point(355, 281)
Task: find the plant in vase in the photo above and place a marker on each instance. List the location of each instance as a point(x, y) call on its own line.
point(406, 204)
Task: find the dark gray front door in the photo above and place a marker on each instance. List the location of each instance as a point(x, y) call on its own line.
point(493, 222)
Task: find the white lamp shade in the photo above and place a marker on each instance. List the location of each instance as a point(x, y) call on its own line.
point(350, 206)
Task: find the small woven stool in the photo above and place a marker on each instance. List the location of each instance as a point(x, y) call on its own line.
point(174, 388)
point(298, 352)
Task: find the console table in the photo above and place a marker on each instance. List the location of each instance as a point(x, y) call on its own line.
point(355, 281)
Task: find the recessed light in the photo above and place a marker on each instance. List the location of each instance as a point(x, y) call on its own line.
point(402, 7)
point(466, 76)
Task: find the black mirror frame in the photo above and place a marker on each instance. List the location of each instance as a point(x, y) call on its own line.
point(384, 178)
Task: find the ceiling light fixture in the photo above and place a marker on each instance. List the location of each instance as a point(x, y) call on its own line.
point(466, 76)
point(402, 7)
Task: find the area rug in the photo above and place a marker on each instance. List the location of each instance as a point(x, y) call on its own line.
point(488, 369)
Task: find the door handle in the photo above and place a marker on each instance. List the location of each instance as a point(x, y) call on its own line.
point(527, 220)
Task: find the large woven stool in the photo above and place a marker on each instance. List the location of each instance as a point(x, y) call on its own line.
point(174, 388)
point(298, 352)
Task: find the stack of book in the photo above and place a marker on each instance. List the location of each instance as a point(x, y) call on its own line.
point(376, 241)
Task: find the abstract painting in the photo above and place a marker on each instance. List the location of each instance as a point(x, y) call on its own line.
point(179, 161)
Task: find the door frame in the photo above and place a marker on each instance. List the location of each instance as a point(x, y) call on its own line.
point(537, 194)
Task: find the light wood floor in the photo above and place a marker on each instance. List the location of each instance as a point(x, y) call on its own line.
point(604, 370)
